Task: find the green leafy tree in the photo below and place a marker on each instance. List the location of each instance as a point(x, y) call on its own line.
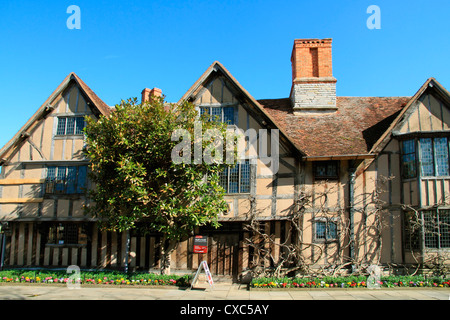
point(138, 183)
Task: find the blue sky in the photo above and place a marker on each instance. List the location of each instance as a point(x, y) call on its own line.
point(125, 46)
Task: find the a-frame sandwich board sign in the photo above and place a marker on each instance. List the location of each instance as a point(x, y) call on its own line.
point(204, 266)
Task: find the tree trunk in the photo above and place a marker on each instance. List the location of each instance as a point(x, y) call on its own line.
point(167, 247)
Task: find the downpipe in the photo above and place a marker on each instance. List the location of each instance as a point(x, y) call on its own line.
point(3, 245)
point(351, 212)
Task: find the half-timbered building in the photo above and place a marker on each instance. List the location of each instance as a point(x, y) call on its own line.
point(351, 170)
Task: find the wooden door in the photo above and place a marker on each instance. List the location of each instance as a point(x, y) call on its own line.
point(223, 254)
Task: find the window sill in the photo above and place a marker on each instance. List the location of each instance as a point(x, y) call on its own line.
point(322, 241)
point(326, 179)
point(69, 136)
point(434, 177)
point(237, 194)
point(72, 196)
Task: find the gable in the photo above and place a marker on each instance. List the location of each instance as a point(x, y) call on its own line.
point(218, 88)
point(72, 97)
point(216, 91)
point(428, 113)
point(51, 142)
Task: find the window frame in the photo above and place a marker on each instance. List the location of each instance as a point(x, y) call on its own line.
point(419, 143)
point(327, 222)
point(336, 163)
point(239, 165)
point(222, 112)
point(415, 156)
point(59, 181)
point(431, 235)
point(66, 234)
point(63, 125)
point(436, 235)
point(422, 155)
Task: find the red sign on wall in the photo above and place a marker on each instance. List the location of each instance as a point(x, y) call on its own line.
point(200, 244)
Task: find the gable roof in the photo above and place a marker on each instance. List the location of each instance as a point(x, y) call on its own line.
point(98, 103)
point(350, 131)
point(431, 84)
point(257, 110)
point(92, 100)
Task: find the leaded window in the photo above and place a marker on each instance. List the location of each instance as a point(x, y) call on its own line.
point(433, 157)
point(441, 155)
point(326, 230)
point(409, 159)
point(67, 234)
point(221, 114)
point(426, 157)
point(70, 126)
point(236, 179)
point(436, 228)
point(432, 227)
point(66, 180)
point(326, 170)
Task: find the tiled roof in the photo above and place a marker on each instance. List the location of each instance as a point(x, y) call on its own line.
point(353, 129)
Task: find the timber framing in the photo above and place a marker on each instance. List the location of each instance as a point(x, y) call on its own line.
point(341, 169)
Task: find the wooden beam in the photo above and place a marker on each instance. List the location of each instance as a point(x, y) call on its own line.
point(21, 181)
point(21, 200)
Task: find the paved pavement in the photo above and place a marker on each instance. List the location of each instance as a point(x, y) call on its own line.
point(218, 292)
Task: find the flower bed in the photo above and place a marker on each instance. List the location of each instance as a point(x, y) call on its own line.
point(351, 282)
point(93, 278)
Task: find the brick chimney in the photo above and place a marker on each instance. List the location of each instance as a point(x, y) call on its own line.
point(147, 93)
point(313, 85)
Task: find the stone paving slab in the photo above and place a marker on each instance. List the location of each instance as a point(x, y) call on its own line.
point(219, 292)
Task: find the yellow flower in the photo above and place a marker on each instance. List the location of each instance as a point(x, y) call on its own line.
point(327, 285)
